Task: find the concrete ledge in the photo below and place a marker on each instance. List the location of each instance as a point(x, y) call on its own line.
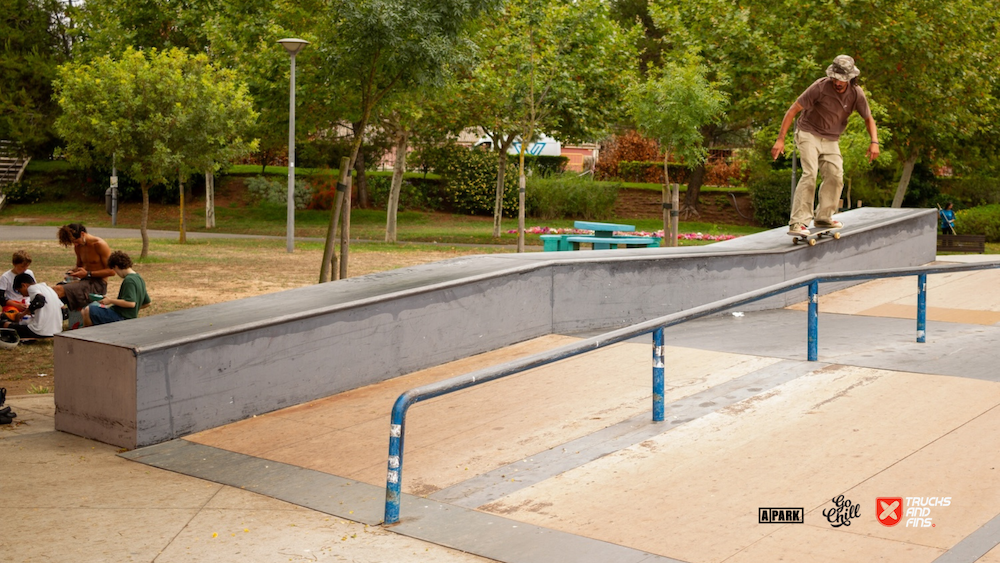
point(157, 378)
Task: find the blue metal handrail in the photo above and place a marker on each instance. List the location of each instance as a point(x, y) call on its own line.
point(655, 326)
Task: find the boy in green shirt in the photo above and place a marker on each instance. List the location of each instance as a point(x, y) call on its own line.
point(132, 295)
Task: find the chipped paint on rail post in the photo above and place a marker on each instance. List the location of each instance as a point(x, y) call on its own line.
point(922, 308)
point(813, 351)
point(658, 384)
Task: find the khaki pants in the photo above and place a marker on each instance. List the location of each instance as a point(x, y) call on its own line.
point(818, 155)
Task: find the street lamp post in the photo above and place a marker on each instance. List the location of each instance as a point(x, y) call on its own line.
point(293, 46)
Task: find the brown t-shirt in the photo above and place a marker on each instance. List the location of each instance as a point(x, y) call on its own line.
point(825, 111)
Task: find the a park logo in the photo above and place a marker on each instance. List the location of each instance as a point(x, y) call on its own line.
point(781, 516)
point(889, 510)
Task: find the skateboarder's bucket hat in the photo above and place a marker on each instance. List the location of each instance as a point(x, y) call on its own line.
point(843, 69)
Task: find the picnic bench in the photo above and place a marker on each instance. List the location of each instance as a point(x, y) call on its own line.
point(604, 238)
point(961, 243)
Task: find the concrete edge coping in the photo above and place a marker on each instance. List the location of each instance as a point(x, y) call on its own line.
point(530, 265)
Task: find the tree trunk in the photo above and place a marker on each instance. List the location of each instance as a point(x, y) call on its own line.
point(498, 200)
point(904, 180)
point(398, 167)
point(144, 221)
point(343, 189)
point(693, 191)
point(209, 199)
point(180, 191)
point(345, 231)
point(675, 203)
point(521, 181)
point(665, 200)
point(358, 162)
point(361, 179)
point(329, 264)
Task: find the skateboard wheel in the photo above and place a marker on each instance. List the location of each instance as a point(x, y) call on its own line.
point(812, 242)
point(836, 236)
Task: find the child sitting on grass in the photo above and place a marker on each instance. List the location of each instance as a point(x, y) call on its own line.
point(132, 295)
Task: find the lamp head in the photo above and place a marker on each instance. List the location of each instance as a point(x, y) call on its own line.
point(293, 46)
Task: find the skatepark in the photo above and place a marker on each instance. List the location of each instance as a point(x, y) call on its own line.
point(561, 462)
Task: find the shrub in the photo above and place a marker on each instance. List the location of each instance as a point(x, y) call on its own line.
point(568, 196)
point(411, 194)
point(984, 220)
point(265, 191)
point(415, 193)
point(770, 193)
point(22, 192)
point(631, 147)
point(320, 153)
point(720, 173)
point(543, 165)
point(922, 191)
point(470, 177)
point(640, 171)
point(970, 191)
point(651, 172)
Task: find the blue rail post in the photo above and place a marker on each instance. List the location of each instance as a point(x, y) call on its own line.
point(394, 479)
point(921, 308)
point(813, 320)
point(658, 406)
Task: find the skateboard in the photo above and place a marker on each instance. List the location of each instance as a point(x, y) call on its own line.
point(816, 234)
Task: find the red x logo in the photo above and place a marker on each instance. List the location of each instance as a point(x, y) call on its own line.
point(889, 510)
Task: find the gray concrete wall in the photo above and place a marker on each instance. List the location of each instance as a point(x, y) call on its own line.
point(200, 368)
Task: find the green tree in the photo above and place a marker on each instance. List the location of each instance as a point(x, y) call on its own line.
point(111, 26)
point(929, 62)
point(242, 35)
point(34, 40)
point(219, 123)
point(153, 111)
point(672, 106)
point(554, 67)
point(371, 48)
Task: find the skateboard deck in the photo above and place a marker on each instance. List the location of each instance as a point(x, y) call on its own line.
point(816, 234)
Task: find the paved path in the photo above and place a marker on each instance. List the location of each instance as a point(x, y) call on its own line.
point(17, 232)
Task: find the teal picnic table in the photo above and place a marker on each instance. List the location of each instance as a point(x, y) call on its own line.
point(604, 238)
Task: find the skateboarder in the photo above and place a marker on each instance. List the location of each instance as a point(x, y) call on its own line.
point(825, 107)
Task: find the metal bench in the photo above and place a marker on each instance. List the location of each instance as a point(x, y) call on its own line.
point(604, 238)
point(961, 243)
point(607, 243)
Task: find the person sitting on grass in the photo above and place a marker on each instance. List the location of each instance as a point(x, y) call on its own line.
point(44, 307)
point(132, 295)
point(91, 268)
point(11, 297)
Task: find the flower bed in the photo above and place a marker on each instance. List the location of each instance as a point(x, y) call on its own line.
point(568, 231)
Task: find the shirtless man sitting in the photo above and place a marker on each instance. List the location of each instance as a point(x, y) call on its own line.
point(91, 269)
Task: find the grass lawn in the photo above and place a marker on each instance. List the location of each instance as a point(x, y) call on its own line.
point(234, 216)
point(201, 272)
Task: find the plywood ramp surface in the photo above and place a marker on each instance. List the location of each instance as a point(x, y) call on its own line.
point(456, 437)
point(959, 297)
point(693, 493)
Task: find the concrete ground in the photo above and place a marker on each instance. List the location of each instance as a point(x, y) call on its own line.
point(562, 463)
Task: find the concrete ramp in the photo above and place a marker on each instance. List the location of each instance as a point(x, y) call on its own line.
point(158, 378)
